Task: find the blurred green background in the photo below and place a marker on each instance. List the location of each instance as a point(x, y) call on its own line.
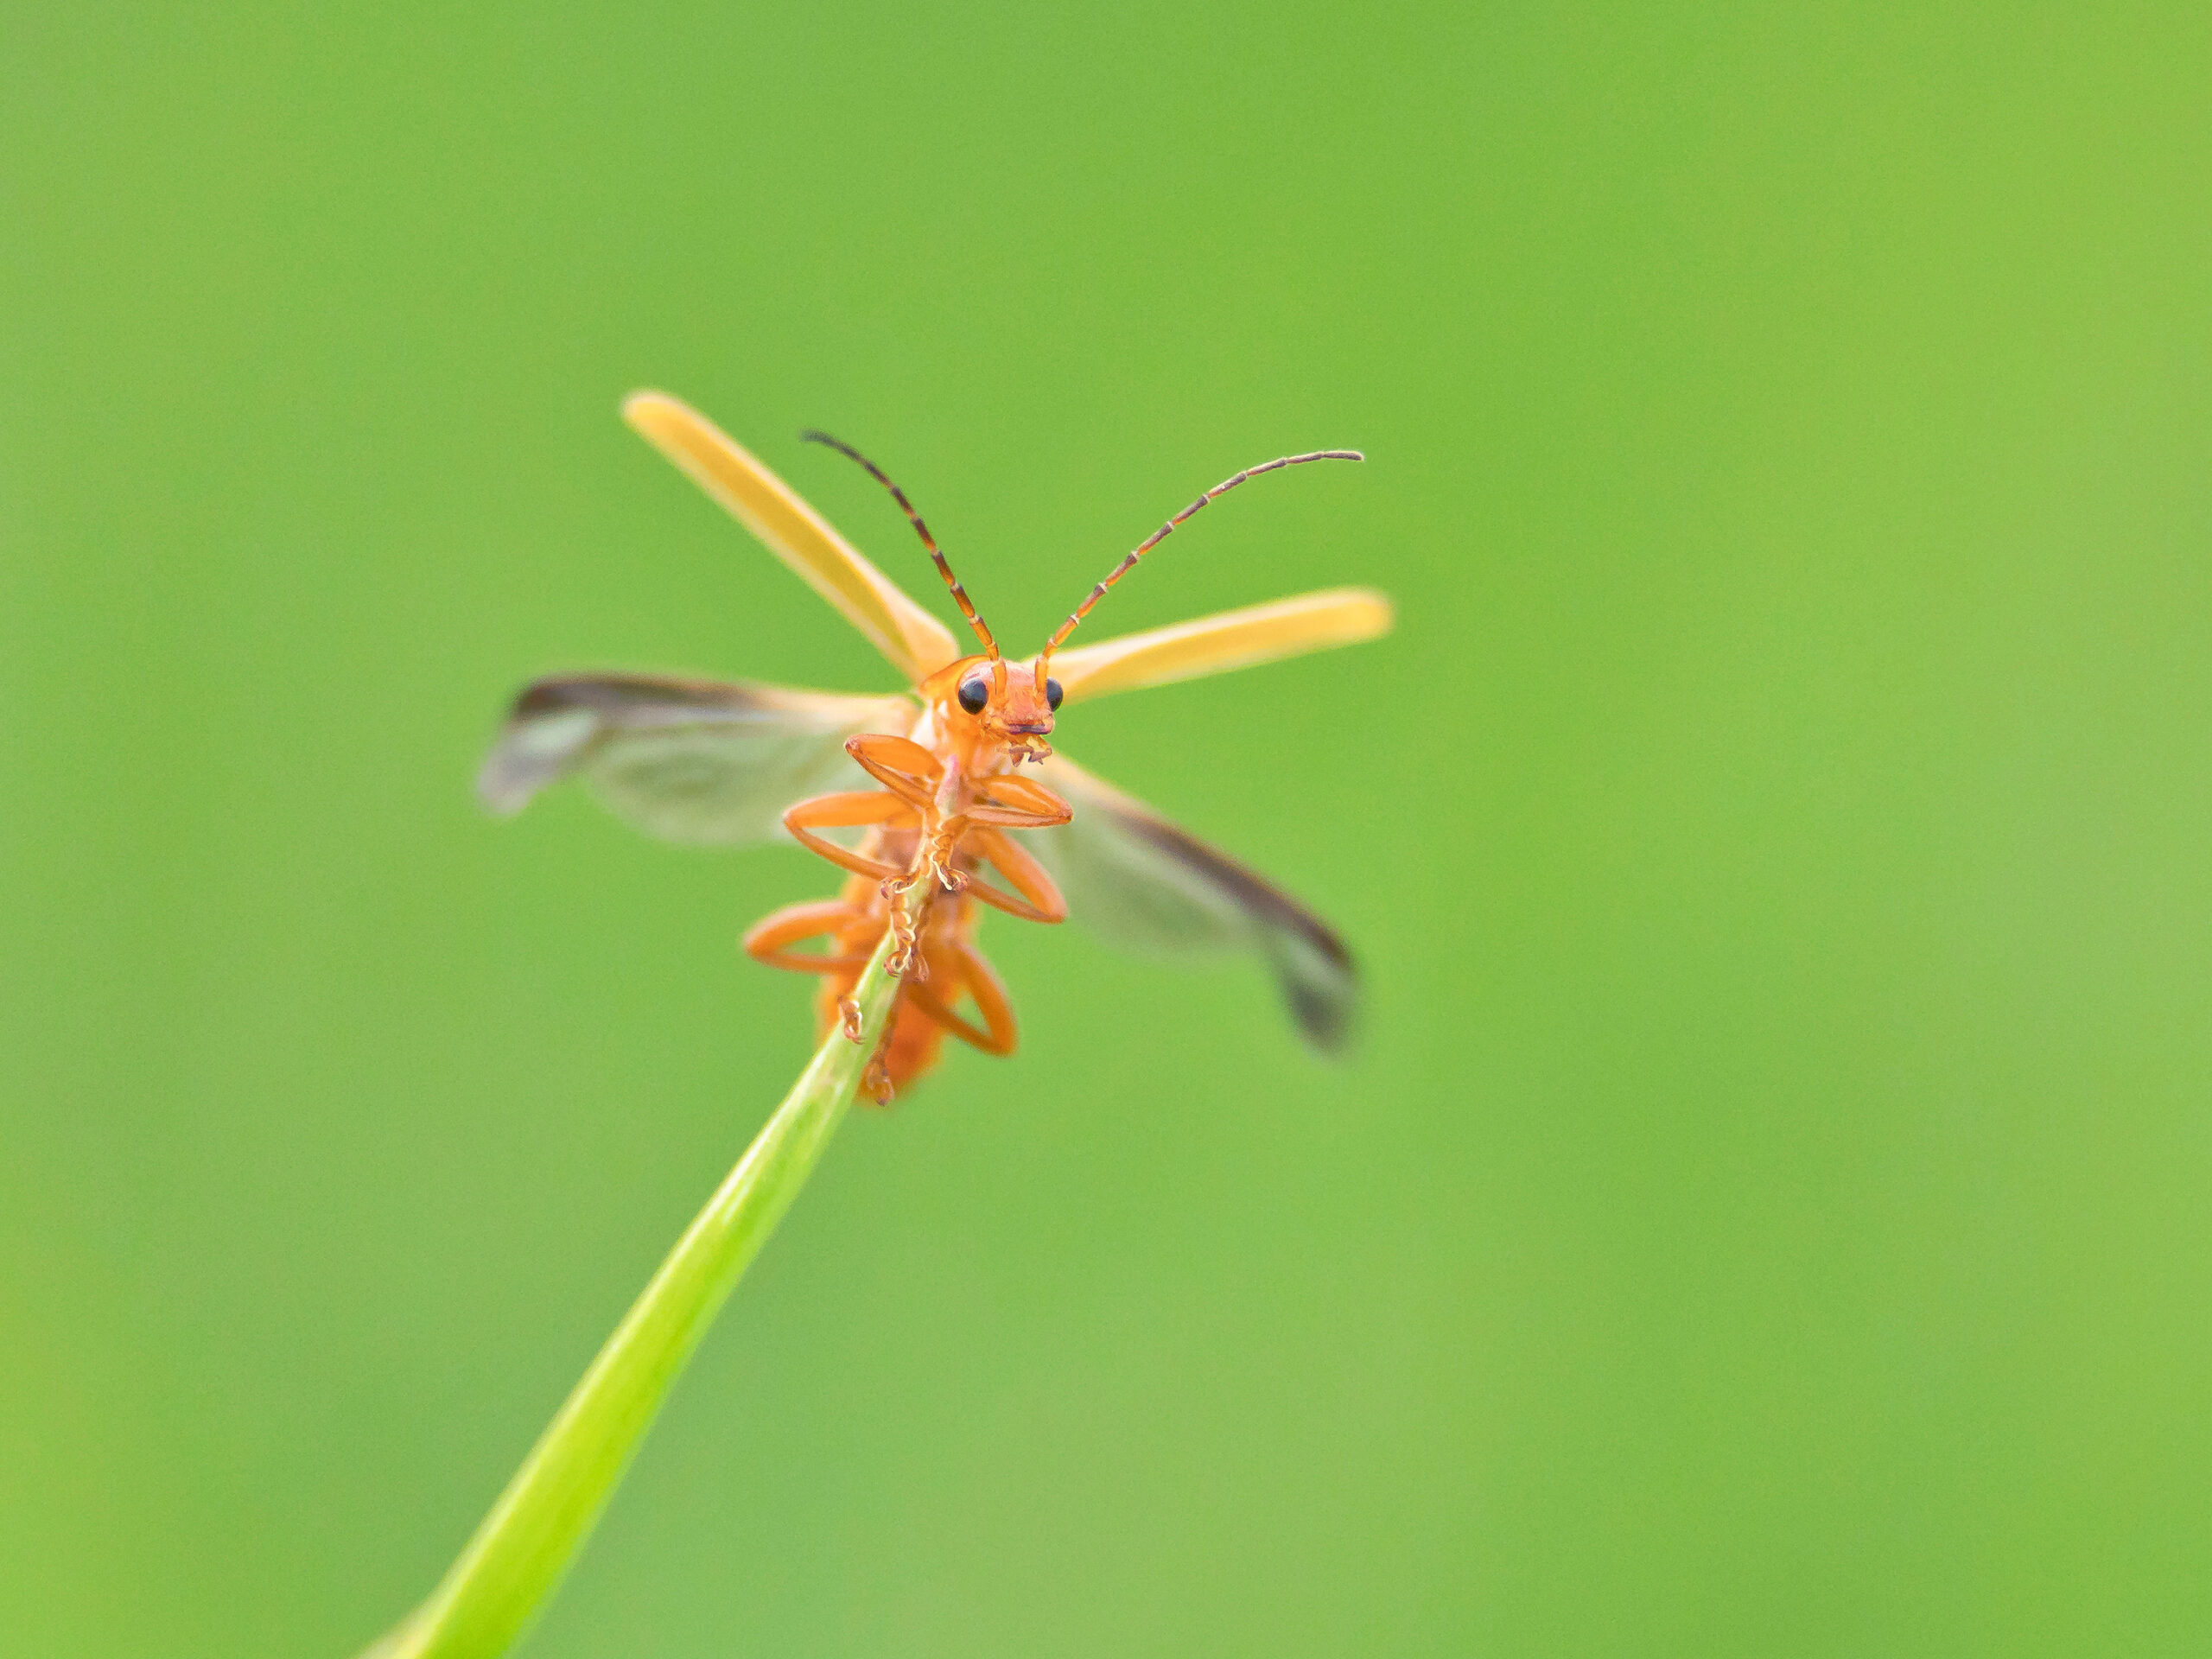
point(1769, 1212)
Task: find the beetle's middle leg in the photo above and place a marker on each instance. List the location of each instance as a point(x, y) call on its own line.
point(846, 810)
point(1036, 896)
point(766, 940)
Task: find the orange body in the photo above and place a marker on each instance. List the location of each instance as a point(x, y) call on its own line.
point(949, 792)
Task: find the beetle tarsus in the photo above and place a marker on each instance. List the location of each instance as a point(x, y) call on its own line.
point(904, 960)
point(877, 1080)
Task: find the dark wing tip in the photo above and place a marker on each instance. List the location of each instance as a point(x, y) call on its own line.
point(550, 727)
point(1320, 983)
point(1314, 971)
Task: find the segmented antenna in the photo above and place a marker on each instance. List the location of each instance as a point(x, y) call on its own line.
point(959, 594)
point(1161, 534)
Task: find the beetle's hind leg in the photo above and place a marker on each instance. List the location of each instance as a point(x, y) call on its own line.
point(998, 1035)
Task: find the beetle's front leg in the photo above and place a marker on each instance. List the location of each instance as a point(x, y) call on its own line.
point(899, 764)
point(1014, 803)
point(917, 777)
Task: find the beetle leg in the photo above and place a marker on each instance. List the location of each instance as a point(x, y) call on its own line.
point(765, 941)
point(1039, 898)
point(876, 1080)
point(998, 1035)
point(899, 764)
point(844, 809)
point(1018, 804)
point(904, 959)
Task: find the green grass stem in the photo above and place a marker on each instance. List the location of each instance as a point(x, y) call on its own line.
point(525, 1545)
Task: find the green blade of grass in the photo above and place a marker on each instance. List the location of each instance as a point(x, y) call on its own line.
point(525, 1545)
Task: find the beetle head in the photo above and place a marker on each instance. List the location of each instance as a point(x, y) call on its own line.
point(990, 700)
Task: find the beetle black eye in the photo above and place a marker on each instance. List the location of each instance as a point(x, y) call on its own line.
point(973, 694)
point(1051, 692)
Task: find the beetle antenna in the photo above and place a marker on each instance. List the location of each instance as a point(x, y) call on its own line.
point(1161, 534)
point(959, 594)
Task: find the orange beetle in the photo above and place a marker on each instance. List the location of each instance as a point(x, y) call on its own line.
point(726, 763)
